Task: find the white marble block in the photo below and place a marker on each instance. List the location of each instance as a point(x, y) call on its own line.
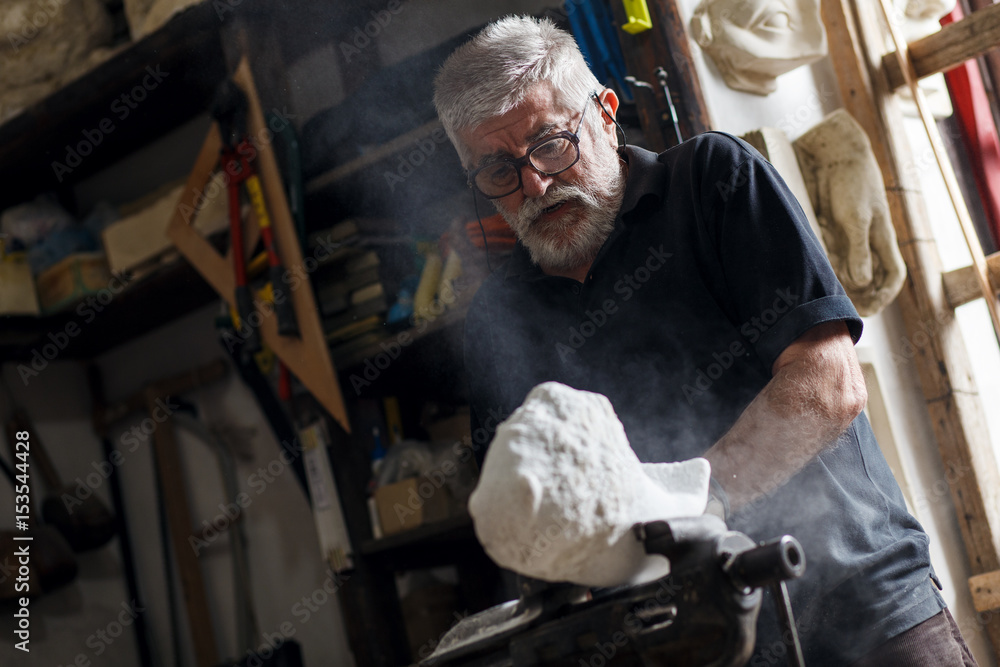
point(561, 489)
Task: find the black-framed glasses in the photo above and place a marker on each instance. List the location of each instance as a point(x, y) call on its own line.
point(550, 156)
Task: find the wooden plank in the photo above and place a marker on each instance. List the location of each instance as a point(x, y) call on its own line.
point(665, 45)
point(308, 357)
point(192, 245)
point(178, 511)
point(951, 46)
point(985, 589)
point(388, 149)
point(934, 344)
point(961, 286)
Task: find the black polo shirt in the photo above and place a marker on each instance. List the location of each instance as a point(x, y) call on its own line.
point(710, 273)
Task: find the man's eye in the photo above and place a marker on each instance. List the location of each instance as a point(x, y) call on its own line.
point(550, 149)
point(501, 174)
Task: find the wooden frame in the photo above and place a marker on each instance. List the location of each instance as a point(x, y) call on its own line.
point(307, 357)
point(857, 51)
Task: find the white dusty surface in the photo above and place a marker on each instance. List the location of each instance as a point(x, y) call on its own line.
point(561, 489)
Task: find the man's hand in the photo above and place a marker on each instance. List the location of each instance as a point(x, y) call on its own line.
point(816, 391)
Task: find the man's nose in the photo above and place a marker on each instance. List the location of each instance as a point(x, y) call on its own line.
point(534, 183)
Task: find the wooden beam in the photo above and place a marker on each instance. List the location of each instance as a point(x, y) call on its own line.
point(949, 47)
point(178, 513)
point(666, 45)
point(965, 223)
point(985, 590)
point(961, 286)
point(935, 344)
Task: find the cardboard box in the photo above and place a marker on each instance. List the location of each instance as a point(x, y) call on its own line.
point(17, 289)
point(73, 278)
point(140, 237)
point(411, 503)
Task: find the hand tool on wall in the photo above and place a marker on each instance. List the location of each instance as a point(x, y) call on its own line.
point(85, 522)
point(293, 173)
point(170, 477)
point(236, 167)
point(307, 356)
point(288, 653)
point(230, 110)
point(661, 78)
point(668, 116)
point(98, 416)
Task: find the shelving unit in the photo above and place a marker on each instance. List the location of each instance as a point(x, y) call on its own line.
point(191, 54)
point(187, 57)
point(176, 290)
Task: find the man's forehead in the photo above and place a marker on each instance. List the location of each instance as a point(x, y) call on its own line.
point(506, 135)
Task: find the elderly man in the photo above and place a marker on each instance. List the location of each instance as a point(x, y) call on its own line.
point(687, 288)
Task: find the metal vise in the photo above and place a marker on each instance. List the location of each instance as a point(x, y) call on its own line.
point(703, 614)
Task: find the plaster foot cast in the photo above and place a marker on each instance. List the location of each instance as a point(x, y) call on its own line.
point(848, 195)
point(561, 489)
point(752, 42)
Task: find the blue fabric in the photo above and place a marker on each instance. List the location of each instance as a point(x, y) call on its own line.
point(711, 272)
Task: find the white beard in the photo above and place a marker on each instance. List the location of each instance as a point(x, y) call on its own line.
point(574, 237)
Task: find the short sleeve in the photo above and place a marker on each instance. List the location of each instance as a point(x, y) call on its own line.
point(775, 277)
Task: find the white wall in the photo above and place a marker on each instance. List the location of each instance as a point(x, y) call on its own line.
point(803, 97)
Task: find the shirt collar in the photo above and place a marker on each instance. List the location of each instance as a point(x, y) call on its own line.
point(645, 179)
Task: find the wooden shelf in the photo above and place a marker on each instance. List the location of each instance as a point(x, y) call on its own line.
point(459, 526)
point(431, 364)
point(431, 545)
point(383, 152)
point(181, 63)
point(353, 360)
point(158, 298)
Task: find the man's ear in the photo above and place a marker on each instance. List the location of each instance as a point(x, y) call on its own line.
point(610, 102)
point(609, 109)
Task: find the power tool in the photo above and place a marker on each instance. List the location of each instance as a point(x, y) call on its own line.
point(703, 614)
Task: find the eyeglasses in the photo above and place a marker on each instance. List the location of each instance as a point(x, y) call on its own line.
point(548, 157)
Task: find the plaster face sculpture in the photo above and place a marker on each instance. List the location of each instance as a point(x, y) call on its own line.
point(848, 195)
point(752, 42)
point(561, 489)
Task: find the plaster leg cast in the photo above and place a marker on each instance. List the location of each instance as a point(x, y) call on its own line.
point(561, 489)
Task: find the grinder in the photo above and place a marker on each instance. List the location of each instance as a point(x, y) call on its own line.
point(703, 614)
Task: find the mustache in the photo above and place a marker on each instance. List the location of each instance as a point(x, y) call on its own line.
point(531, 209)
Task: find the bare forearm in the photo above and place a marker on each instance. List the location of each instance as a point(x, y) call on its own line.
point(803, 409)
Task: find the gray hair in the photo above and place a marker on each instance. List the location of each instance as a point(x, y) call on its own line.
point(493, 72)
